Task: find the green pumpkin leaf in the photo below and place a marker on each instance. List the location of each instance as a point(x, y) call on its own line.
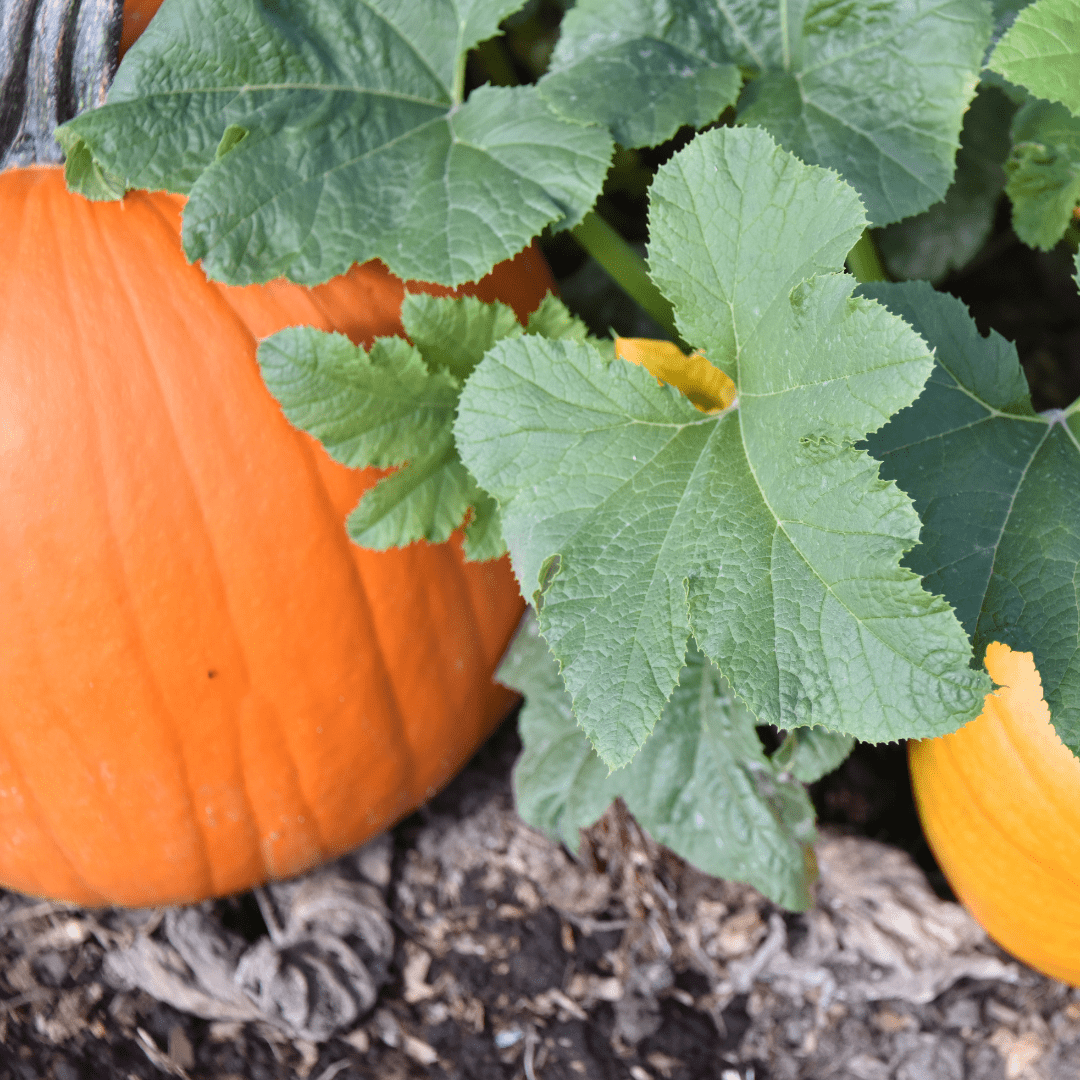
point(642, 69)
point(948, 235)
point(83, 174)
point(876, 91)
point(811, 753)
point(1005, 12)
point(358, 141)
point(552, 319)
point(560, 784)
point(378, 408)
point(453, 337)
point(425, 500)
point(996, 487)
point(1044, 172)
point(1041, 51)
point(483, 532)
point(634, 520)
point(394, 406)
point(702, 785)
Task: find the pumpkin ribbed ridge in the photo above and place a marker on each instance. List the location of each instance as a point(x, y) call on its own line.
point(999, 801)
point(205, 683)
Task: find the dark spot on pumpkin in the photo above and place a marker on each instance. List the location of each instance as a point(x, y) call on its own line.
point(211, 674)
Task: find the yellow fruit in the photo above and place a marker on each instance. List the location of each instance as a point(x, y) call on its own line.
point(1000, 804)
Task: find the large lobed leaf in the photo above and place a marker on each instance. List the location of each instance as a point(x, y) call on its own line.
point(876, 91)
point(633, 519)
point(702, 785)
point(948, 235)
point(643, 68)
point(995, 485)
point(1041, 51)
point(314, 135)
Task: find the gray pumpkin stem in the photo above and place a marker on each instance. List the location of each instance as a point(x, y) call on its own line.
point(57, 59)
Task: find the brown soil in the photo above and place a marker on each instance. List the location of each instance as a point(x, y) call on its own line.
point(468, 946)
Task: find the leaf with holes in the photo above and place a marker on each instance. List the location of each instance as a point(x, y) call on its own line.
point(634, 520)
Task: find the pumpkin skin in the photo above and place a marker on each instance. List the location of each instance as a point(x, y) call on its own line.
point(205, 684)
point(137, 16)
point(1000, 805)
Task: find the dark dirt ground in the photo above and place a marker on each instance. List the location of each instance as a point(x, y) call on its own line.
point(465, 945)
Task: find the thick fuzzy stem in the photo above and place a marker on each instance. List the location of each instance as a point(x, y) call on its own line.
point(863, 261)
point(627, 267)
point(57, 58)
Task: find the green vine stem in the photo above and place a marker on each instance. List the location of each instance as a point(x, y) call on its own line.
point(863, 261)
point(627, 268)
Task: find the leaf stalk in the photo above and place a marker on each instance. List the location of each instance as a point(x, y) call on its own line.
point(863, 261)
point(627, 268)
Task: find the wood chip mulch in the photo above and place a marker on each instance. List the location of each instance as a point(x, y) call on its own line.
point(466, 945)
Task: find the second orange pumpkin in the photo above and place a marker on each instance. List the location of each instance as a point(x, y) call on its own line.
point(1000, 804)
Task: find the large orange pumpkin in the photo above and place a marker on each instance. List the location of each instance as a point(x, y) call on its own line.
point(1000, 804)
point(137, 16)
point(204, 684)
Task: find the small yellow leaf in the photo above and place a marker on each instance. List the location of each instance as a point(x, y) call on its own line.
point(706, 386)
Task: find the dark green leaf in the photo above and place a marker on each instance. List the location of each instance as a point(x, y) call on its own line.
point(358, 144)
point(997, 489)
point(876, 91)
point(642, 68)
point(947, 236)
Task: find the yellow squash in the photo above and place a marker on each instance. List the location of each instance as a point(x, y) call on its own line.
point(1000, 804)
